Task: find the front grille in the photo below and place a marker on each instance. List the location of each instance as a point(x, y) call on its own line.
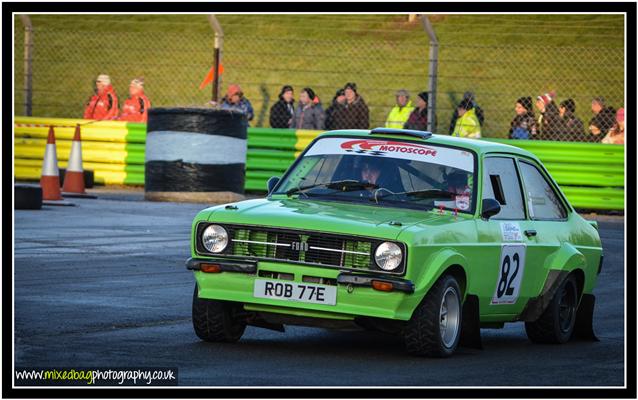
point(305, 247)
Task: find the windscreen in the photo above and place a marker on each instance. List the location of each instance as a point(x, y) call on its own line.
point(384, 172)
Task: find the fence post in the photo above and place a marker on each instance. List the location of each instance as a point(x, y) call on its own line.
point(432, 71)
point(219, 44)
point(28, 64)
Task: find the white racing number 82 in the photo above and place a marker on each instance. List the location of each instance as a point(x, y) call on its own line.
point(510, 275)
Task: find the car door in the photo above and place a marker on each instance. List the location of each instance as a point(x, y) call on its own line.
point(509, 242)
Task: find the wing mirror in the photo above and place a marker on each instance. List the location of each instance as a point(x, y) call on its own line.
point(272, 182)
point(490, 208)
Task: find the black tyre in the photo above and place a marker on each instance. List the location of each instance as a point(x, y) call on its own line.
point(435, 327)
point(556, 324)
point(215, 321)
point(27, 197)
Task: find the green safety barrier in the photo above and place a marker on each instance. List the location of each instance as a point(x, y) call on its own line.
point(114, 150)
point(591, 175)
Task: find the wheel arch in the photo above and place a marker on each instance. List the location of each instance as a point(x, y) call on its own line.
point(440, 263)
point(537, 305)
point(569, 259)
point(579, 274)
point(566, 258)
point(458, 272)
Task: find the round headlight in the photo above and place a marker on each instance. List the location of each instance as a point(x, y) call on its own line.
point(388, 256)
point(215, 238)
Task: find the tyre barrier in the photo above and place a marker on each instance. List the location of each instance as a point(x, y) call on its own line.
point(27, 197)
point(196, 155)
point(89, 178)
point(591, 175)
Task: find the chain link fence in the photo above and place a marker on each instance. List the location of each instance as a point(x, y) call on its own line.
point(566, 78)
point(378, 68)
point(495, 58)
point(67, 62)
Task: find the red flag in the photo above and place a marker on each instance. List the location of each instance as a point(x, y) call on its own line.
point(211, 75)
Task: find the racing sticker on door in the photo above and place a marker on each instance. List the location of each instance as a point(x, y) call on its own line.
point(510, 275)
point(511, 232)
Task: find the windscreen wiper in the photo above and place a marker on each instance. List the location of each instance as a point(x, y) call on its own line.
point(424, 194)
point(342, 186)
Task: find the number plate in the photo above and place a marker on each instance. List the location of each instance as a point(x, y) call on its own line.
point(293, 291)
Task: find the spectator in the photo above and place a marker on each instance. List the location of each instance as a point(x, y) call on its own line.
point(401, 112)
point(616, 134)
point(523, 126)
point(603, 120)
point(135, 108)
point(103, 105)
point(418, 119)
point(235, 100)
point(309, 113)
point(572, 127)
point(467, 123)
point(282, 111)
point(334, 113)
point(548, 122)
point(355, 114)
point(477, 110)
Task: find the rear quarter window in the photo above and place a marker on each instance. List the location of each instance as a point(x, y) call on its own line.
point(544, 202)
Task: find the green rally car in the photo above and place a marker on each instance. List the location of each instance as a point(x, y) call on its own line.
point(425, 236)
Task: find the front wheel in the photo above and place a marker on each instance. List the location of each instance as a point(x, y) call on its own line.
point(435, 327)
point(556, 324)
point(215, 321)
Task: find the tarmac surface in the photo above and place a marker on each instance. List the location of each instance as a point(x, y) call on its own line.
point(103, 284)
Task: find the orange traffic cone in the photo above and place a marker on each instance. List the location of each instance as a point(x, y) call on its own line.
point(74, 175)
point(50, 179)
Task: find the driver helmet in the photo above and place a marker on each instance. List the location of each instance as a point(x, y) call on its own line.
point(372, 163)
point(457, 180)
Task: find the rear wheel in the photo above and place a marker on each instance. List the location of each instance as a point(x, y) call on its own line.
point(556, 324)
point(435, 327)
point(215, 321)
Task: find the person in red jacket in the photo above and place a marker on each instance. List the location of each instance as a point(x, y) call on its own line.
point(135, 108)
point(103, 105)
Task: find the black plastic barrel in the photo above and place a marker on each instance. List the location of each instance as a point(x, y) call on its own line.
point(195, 155)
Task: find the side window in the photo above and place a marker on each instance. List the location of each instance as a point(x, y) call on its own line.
point(544, 203)
point(501, 182)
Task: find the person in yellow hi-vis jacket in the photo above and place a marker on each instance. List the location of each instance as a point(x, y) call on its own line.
point(401, 112)
point(467, 124)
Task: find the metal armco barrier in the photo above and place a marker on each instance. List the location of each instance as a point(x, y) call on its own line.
point(591, 175)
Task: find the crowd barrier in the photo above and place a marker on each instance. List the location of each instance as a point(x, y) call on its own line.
point(114, 150)
point(591, 175)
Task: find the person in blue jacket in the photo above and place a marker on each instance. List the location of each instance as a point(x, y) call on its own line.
point(235, 100)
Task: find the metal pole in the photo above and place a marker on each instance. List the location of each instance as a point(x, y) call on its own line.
point(216, 80)
point(28, 64)
point(219, 44)
point(432, 71)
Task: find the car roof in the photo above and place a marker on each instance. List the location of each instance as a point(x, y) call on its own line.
point(479, 146)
